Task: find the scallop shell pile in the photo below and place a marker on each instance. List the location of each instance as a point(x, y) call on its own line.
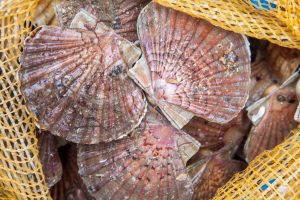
point(138, 101)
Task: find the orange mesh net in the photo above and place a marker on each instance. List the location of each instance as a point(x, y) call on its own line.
point(279, 25)
point(21, 175)
point(274, 174)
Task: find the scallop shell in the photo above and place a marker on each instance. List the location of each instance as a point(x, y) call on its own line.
point(148, 166)
point(282, 61)
point(260, 80)
point(75, 81)
point(210, 134)
point(71, 186)
point(121, 15)
point(45, 14)
point(275, 124)
point(213, 174)
point(49, 157)
point(191, 64)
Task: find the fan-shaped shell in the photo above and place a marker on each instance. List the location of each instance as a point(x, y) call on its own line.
point(192, 64)
point(148, 166)
point(210, 134)
point(282, 62)
point(213, 174)
point(277, 120)
point(49, 157)
point(76, 82)
point(121, 15)
point(71, 186)
point(45, 14)
point(260, 80)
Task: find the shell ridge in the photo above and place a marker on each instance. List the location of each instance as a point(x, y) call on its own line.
point(72, 93)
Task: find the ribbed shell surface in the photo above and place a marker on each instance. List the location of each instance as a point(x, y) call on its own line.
point(194, 65)
point(121, 15)
point(276, 123)
point(150, 165)
point(75, 82)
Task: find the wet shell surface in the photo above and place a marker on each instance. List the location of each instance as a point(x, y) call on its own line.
point(49, 157)
point(260, 80)
point(71, 186)
point(75, 81)
point(210, 134)
point(45, 14)
point(148, 166)
point(282, 61)
point(212, 174)
point(121, 15)
point(191, 67)
point(276, 120)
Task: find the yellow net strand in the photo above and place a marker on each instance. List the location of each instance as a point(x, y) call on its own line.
point(274, 174)
point(279, 25)
point(21, 175)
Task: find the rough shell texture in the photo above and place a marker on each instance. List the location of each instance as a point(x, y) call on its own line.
point(49, 157)
point(45, 14)
point(260, 80)
point(210, 134)
point(71, 186)
point(192, 64)
point(214, 173)
point(282, 61)
point(275, 124)
point(76, 83)
point(148, 166)
point(121, 15)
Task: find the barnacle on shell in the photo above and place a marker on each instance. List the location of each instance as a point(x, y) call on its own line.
point(191, 67)
point(149, 165)
point(121, 15)
point(75, 81)
point(274, 119)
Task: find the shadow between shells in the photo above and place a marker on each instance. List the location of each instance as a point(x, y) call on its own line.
point(133, 107)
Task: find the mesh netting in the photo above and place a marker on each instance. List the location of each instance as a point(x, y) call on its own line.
point(275, 20)
point(21, 174)
point(272, 175)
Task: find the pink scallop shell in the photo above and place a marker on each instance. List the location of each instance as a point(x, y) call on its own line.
point(76, 83)
point(276, 123)
point(148, 166)
point(49, 157)
point(192, 64)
